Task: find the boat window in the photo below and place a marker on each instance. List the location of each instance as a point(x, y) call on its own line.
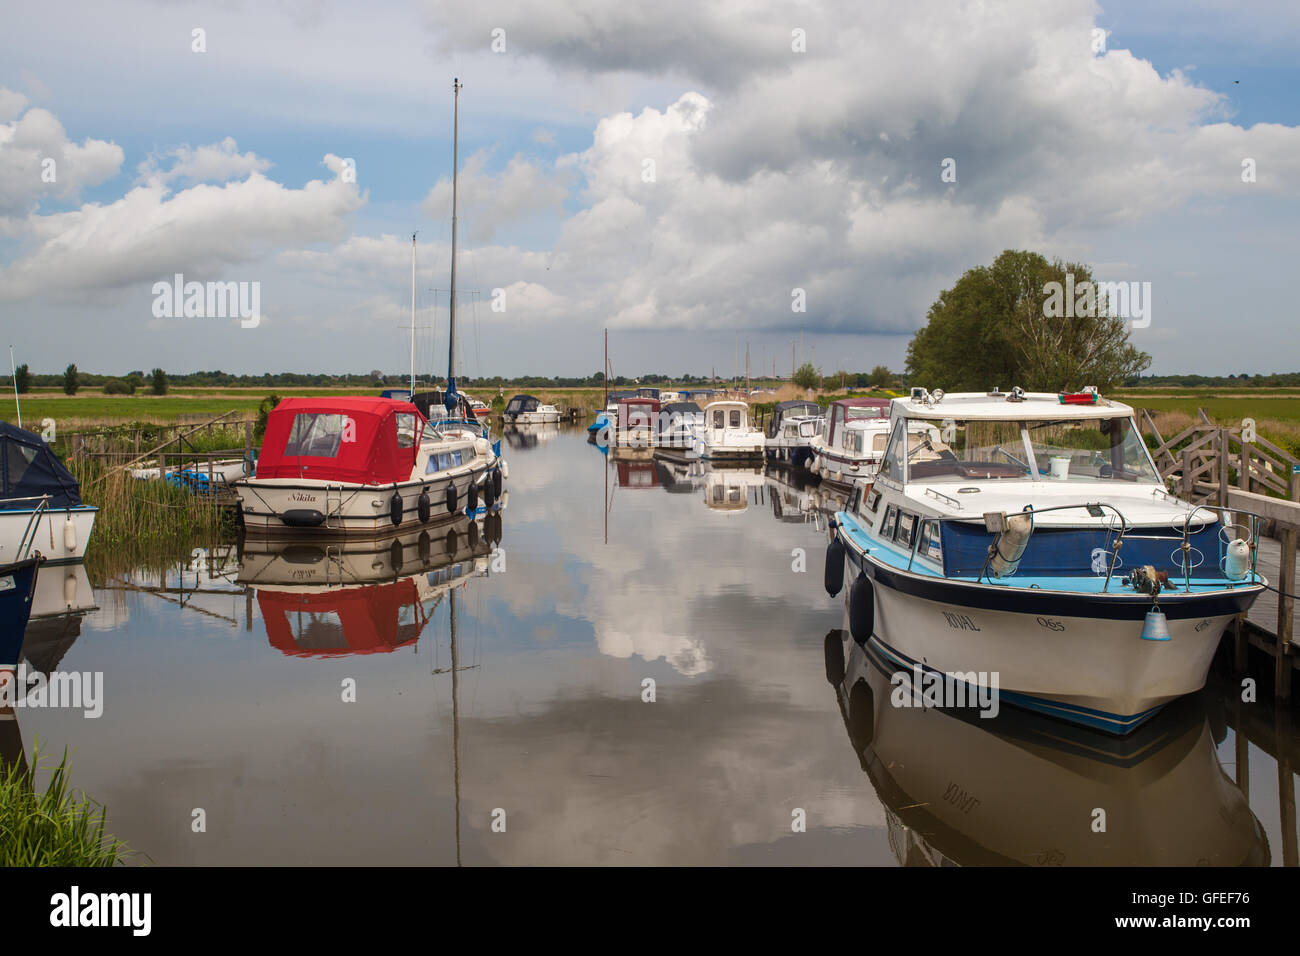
point(878, 441)
point(873, 499)
point(1108, 448)
point(719, 419)
point(405, 430)
point(432, 465)
point(948, 450)
point(735, 418)
point(891, 466)
point(318, 435)
point(860, 413)
point(444, 460)
point(887, 525)
point(906, 524)
point(930, 545)
point(20, 456)
point(455, 458)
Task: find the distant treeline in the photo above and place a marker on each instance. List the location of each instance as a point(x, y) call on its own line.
point(1244, 380)
point(219, 379)
point(375, 378)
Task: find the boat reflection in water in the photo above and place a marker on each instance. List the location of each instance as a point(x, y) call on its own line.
point(730, 490)
point(525, 436)
point(363, 597)
point(62, 599)
point(964, 790)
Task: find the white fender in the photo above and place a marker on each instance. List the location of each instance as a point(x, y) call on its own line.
point(69, 534)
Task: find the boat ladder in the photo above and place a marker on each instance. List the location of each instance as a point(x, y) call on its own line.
point(334, 506)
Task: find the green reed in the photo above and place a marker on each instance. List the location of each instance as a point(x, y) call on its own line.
point(52, 827)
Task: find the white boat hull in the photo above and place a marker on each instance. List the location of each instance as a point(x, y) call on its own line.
point(532, 418)
point(1091, 669)
point(50, 537)
point(279, 505)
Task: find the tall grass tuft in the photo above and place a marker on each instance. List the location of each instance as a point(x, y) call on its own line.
point(143, 516)
point(54, 827)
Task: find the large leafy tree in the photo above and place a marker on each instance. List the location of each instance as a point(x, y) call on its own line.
point(991, 328)
point(23, 379)
point(70, 380)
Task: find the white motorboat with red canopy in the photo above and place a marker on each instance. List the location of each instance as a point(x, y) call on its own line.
point(1025, 542)
point(362, 466)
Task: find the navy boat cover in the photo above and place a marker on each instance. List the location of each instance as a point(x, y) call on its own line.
point(30, 468)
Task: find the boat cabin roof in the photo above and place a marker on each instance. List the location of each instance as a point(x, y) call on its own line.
point(1000, 407)
point(357, 440)
point(683, 408)
point(727, 403)
point(639, 401)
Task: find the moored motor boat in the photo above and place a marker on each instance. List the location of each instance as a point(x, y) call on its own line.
point(791, 431)
point(1031, 544)
point(527, 410)
point(727, 435)
point(851, 440)
point(40, 508)
point(636, 422)
point(362, 466)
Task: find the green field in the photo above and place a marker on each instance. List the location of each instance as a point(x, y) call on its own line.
point(1226, 410)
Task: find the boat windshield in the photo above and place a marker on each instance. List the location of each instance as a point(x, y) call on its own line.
point(856, 413)
point(1048, 449)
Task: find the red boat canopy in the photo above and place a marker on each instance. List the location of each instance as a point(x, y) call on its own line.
point(369, 441)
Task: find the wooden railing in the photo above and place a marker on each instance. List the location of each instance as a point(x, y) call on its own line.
point(1204, 461)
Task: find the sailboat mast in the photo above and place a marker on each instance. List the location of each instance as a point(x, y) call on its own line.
point(413, 315)
point(455, 163)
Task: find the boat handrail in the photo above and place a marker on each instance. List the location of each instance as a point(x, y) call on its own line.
point(29, 533)
point(942, 497)
point(45, 498)
point(1219, 512)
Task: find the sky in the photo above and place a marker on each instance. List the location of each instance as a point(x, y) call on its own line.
point(702, 177)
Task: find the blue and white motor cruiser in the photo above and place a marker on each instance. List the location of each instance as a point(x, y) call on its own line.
point(1032, 549)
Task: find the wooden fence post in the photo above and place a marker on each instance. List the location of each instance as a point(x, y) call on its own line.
point(1285, 604)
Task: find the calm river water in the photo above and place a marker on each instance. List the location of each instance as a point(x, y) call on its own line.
point(228, 689)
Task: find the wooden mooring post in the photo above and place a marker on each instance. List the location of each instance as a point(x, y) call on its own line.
point(1234, 468)
point(1285, 515)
